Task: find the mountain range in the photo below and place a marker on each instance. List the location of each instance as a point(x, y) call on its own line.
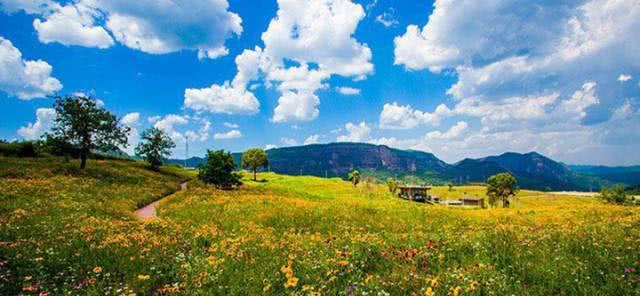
point(533, 170)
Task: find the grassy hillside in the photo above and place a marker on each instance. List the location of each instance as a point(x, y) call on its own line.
point(298, 235)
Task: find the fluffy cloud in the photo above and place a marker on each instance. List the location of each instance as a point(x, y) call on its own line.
point(155, 27)
point(522, 78)
point(394, 116)
point(231, 125)
point(24, 79)
point(348, 91)
point(73, 24)
point(182, 127)
point(44, 120)
point(232, 134)
point(504, 51)
point(132, 120)
point(299, 54)
point(221, 99)
point(356, 133)
point(313, 139)
point(296, 34)
point(581, 100)
point(455, 131)
point(230, 97)
point(169, 125)
point(624, 77)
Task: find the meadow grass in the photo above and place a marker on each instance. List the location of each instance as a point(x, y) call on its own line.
point(298, 236)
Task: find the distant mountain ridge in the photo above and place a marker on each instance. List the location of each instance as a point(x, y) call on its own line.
point(533, 170)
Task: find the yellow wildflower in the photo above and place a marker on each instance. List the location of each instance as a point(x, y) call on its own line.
point(143, 277)
point(456, 291)
point(428, 292)
point(291, 282)
point(368, 279)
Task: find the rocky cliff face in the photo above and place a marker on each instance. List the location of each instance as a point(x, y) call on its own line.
point(340, 158)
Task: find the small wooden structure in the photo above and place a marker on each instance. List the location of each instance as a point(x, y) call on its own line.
point(471, 201)
point(414, 192)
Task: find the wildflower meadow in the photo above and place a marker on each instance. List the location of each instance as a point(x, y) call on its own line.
point(69, 232)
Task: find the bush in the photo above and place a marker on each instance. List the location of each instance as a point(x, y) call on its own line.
point(218, 170)
point(614, 194)
point(19, 149)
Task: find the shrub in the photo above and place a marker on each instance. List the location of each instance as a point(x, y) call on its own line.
point(20, 149)
point(392, 184)
point(614, 194)
point(218, 170)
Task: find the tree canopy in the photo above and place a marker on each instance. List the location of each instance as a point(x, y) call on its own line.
point(614, 194)
point(354, 176)
point(84, 125)
point(253, 159)
point(501, 187)
point(218, 170)
point(154, 146)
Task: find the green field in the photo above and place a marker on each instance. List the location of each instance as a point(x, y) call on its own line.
point(64, 231)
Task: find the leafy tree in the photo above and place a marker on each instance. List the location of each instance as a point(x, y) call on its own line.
point(501, 187)
point(253, 159)
point(450, 184)
point(155, 146)
point(614, 194)
point(218, 170)
point(86, 126)
point(354, 176)
point(392, 184)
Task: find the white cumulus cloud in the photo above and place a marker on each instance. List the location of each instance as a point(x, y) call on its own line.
point(455, 131)
point(356, 133)
point(232, 134)
point(43, 123)
point(348, 91)
point(132, 120)
point(624, 77)
point(24, 79)
point(313, 139)
point(155, 27)
point(395, 116)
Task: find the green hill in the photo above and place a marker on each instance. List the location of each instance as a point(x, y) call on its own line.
point(533, 170)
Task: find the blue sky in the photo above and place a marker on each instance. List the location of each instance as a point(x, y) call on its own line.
point(454, 78)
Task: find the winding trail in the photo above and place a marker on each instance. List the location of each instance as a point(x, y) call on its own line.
point(149, 211)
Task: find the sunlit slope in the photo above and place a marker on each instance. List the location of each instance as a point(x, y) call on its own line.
point(58, 224)
point(306, 234)
point(64, 231)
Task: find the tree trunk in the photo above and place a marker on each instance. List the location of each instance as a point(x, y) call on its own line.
point(254, 175)
point(83, 160)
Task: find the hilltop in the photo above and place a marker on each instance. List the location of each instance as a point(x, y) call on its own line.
point(533, 170)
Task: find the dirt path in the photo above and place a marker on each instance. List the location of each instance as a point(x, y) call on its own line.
point(149, 211)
